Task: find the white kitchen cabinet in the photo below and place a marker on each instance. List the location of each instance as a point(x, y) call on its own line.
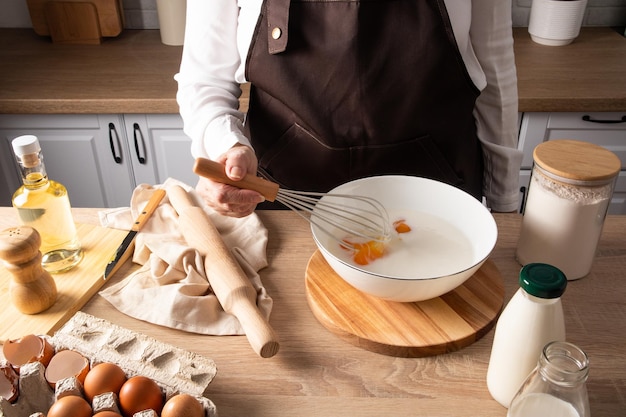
point(165, 149)
point(78, 152)
point(604, 129)
point(100, 158)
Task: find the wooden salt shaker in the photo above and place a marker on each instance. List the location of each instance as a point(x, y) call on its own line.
point(32, 289)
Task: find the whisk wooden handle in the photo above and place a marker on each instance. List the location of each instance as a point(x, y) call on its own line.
point(215, 171)
point(230, 284)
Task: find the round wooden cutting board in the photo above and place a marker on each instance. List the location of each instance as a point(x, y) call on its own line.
point(432, 327)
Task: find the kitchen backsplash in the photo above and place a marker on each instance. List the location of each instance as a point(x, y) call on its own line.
point(142, 14)
point(599, 13)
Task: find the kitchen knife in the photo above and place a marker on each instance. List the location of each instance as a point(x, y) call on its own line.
point(125, 250)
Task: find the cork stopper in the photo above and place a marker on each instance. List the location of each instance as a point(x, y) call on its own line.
point(577, 161)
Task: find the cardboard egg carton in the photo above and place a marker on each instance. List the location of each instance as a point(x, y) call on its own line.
point(175, 370)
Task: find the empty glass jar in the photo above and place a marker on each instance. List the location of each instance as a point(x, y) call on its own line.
point(557, 386)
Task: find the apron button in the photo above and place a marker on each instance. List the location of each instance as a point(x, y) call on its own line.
point(276, 33)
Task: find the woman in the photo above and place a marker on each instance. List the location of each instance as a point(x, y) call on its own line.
point(346, 89)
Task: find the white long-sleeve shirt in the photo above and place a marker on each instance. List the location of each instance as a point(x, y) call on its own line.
point(218, 34)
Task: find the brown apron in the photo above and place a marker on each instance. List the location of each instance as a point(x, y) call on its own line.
point(347, 89)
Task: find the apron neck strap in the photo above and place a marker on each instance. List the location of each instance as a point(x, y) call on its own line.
point(277, 25)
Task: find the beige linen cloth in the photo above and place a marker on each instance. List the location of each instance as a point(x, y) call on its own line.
point(171, 287)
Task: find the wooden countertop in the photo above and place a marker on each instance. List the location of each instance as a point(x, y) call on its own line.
point(133, 73)
point(317, 374)
point(587, 75)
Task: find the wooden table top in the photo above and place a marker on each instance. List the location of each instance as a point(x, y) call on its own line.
point(317, 374)
point(586, 75)
point(133, 73)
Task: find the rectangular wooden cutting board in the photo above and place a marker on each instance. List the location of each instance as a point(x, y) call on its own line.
point(76, 21)
point(74, 287)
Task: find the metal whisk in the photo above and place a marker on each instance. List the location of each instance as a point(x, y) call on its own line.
point(357, 216)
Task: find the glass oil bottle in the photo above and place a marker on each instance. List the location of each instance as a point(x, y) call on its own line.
point(44, 205)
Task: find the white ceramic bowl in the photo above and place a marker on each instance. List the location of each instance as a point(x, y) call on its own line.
point(452, 236)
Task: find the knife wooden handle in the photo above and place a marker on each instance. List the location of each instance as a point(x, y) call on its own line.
point(148, 209)
point(230, 284)
point(215, 171)
point(127, 247)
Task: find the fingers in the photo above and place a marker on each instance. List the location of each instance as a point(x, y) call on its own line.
point(239, 161)
point(236, 172)
point(227, 200)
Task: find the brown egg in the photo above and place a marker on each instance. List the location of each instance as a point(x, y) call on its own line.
point(104, 377)
point(66, 364)
point(70, 406)
point(182, 405)
point(140, 393)
point(107, 414)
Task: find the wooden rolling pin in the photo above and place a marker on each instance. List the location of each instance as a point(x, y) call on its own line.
point(230, 284)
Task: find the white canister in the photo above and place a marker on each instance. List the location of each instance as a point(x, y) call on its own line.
point(570, 191)
point(556, 22)
point(172, 20)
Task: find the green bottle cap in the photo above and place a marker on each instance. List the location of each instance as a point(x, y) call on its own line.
point(542, 280)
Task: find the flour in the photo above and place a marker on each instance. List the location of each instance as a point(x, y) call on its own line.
point(562, 224)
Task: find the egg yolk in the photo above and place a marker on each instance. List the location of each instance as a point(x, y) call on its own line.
point(363, 253)
point(366, 252)
point(401, 226)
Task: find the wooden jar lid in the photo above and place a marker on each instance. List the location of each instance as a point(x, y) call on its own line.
point(577, 160)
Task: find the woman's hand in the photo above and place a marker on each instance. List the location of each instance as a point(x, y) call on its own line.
point(239, 161)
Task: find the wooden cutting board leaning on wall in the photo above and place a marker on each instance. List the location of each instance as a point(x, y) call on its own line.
point(76, 21)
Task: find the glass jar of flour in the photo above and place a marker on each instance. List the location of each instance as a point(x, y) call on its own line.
point(570, 190)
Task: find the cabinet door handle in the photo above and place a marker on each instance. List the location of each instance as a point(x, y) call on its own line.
point(112, 132)
point(523, 204)
point(588, 118)
point(137, 136)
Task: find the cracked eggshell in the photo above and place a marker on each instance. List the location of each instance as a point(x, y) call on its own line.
point(9, 382)
point(27, 349)
point(67, 364)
